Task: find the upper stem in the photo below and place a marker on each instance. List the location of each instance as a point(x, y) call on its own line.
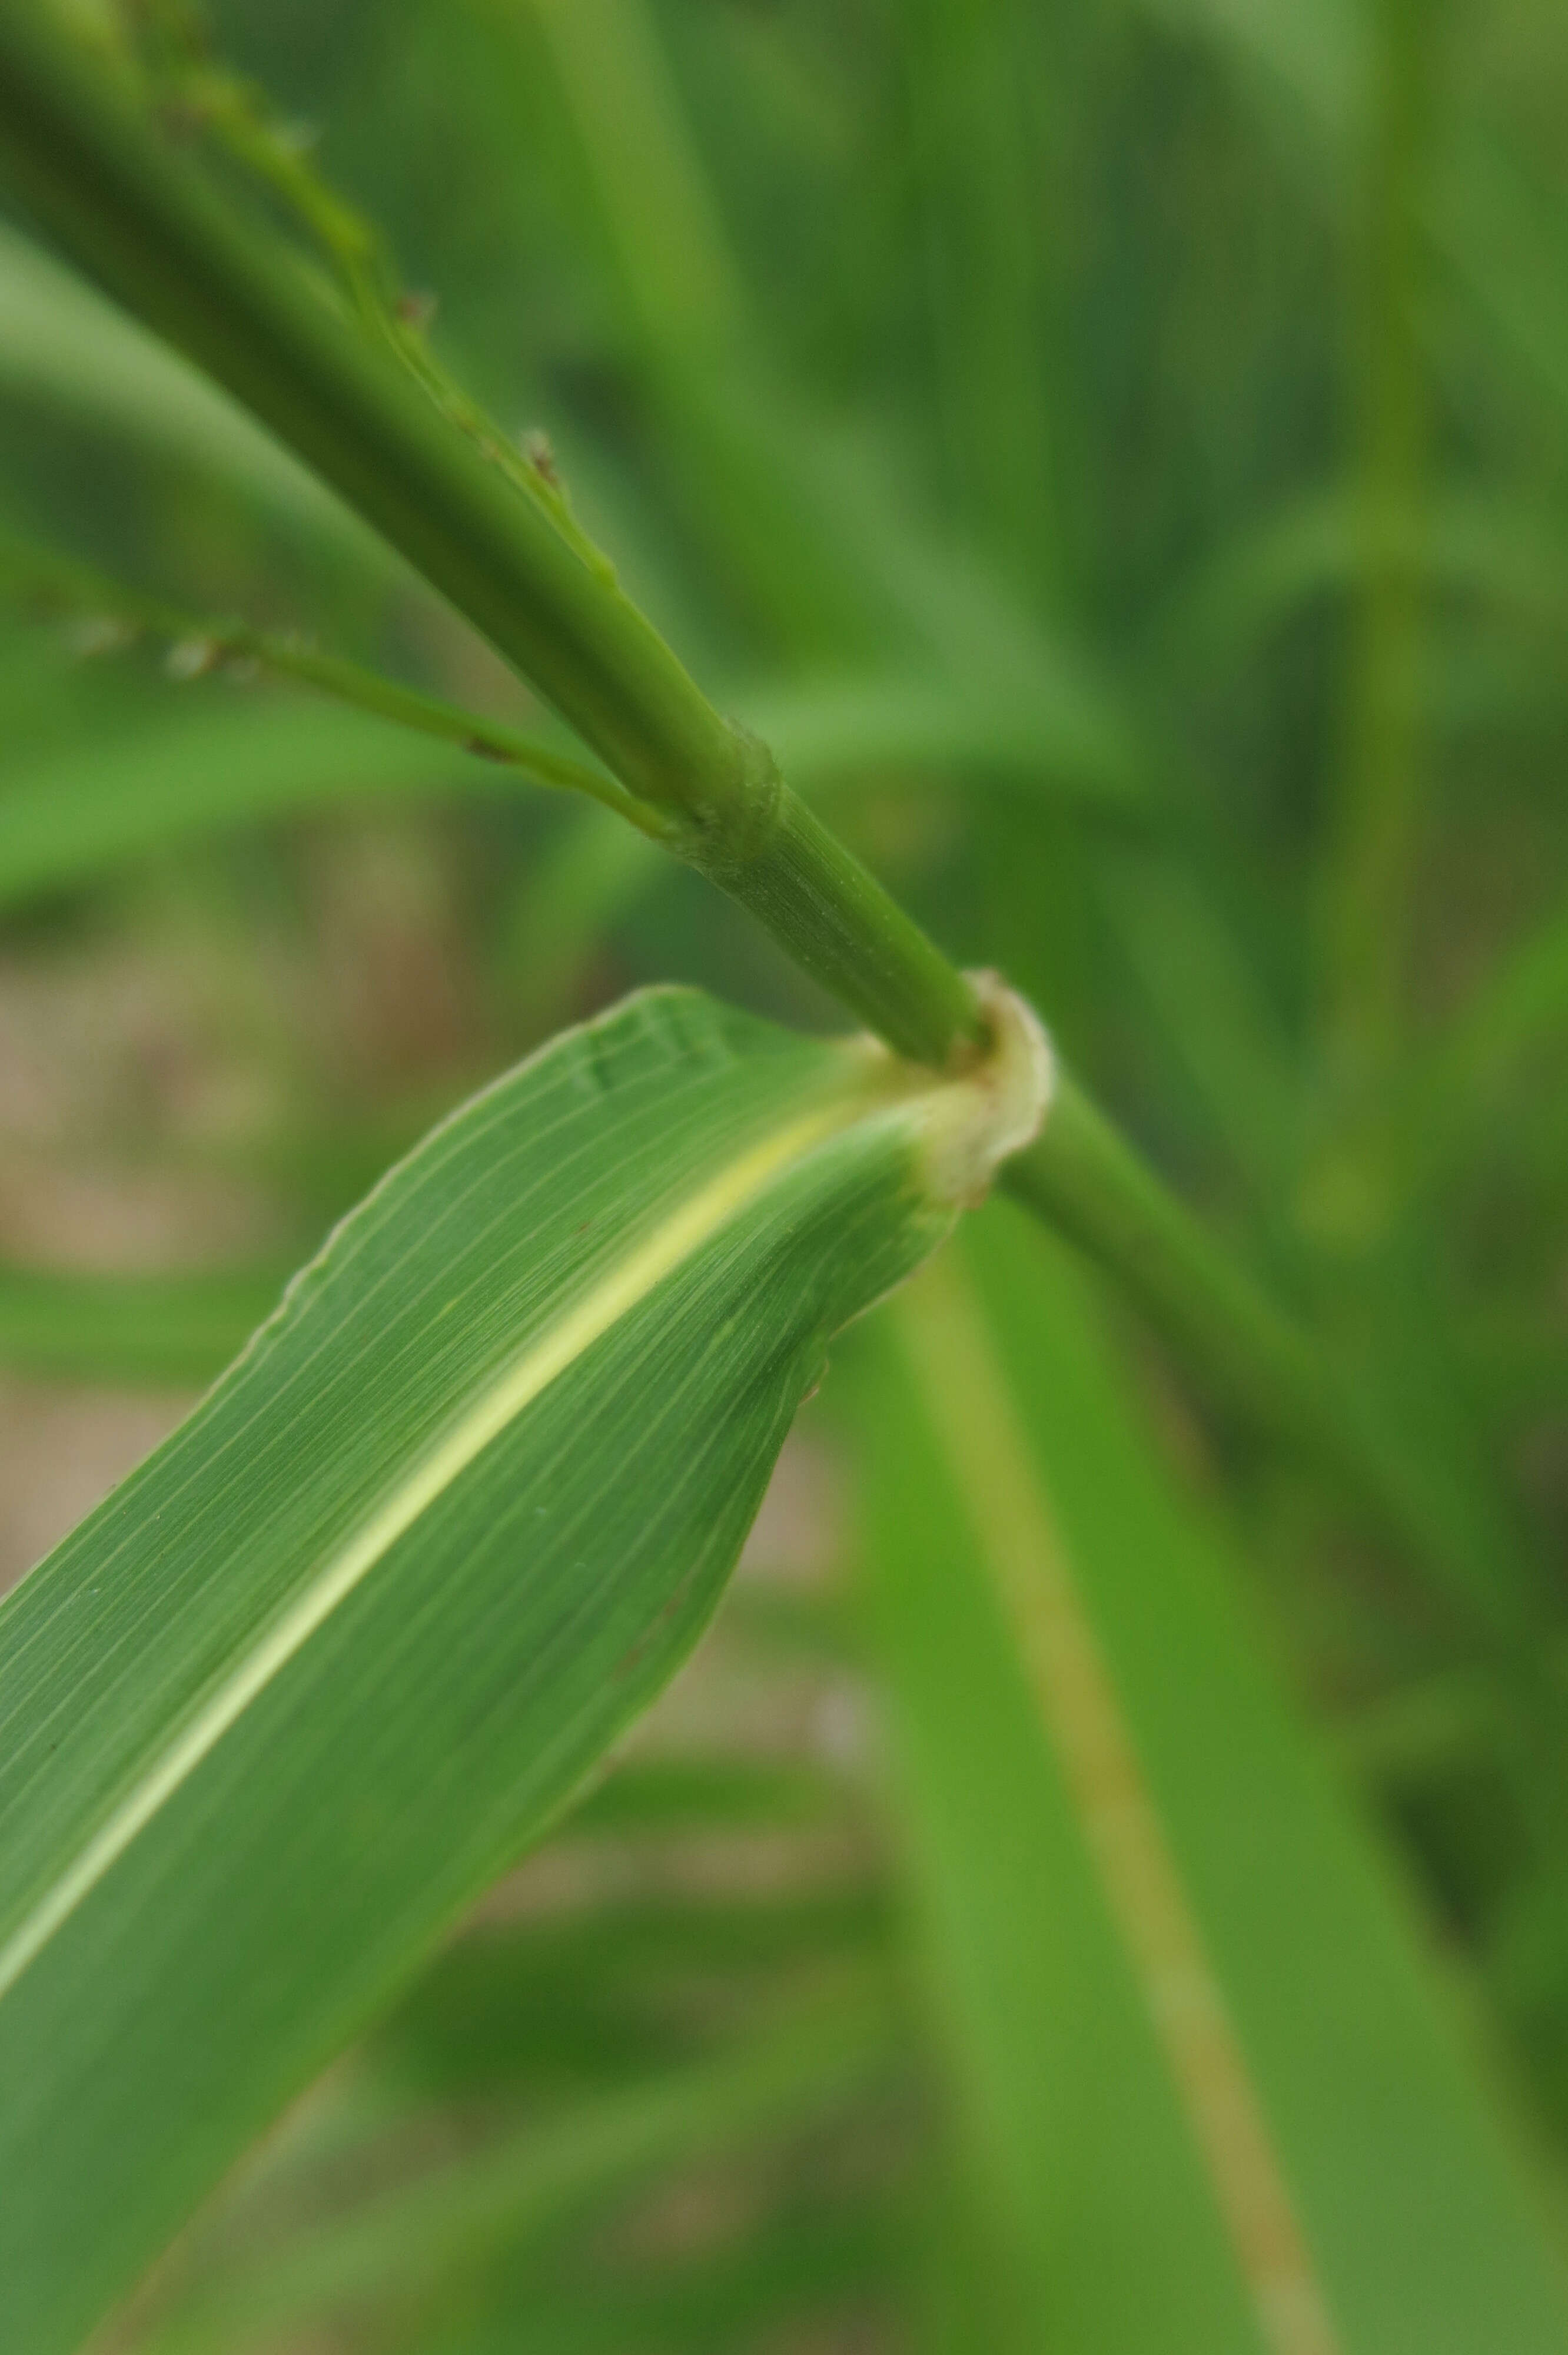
point(98, 177)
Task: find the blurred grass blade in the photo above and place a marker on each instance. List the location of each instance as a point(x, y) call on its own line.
point(666, 236)
point(1488, 547)
point(657, 1796)
point(1055, 738)
point(787, 2276)
point(1380, 782)
point(522, 2186)
point(288, 1700)
point(1519, 1010)
point(580, 883)
point(1201, 2063)
point(63, 346)
point(638, 185)
point(74, 815)
point(1205, 997)
point(1504, 227)
point(128, 1328)
point(814, 521)
point(1316, 61)
point(507, 1998)
point(986, 205)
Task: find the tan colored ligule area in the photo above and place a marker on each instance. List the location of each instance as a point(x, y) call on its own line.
point(968, 1398)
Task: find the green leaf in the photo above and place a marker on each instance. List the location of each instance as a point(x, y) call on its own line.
point(1043, 730)
point(838, 2254)
point(1204, 2074)
point(522, 2186)
point(494, 2007)
point(312, 1676)
point(576, 888)
point(1520, 1007)
point(128, 1328)
point(1325, 543)
point(678, 1794)
point(80, 813)
point(63, 346)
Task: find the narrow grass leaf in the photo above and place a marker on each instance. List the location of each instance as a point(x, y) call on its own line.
point(63, 346)
point(313, 1674)
point(524, 2185)
point(1198, 2051)
point(238, 759)
point(130, 1329)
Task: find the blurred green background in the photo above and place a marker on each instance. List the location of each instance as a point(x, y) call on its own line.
point(1118, 456)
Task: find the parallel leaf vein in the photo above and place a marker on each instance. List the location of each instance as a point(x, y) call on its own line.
point(680, 1234)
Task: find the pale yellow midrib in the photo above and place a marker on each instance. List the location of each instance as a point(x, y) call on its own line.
point(970, 1404)
point(619, 1291)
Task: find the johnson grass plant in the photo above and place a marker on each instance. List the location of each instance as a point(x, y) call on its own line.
point(965, 604)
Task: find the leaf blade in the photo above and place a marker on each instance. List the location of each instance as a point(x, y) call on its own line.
point(284, 1705)
point(1411, 2200)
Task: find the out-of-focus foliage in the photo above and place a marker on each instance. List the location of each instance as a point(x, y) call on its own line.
point(1118, 455)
